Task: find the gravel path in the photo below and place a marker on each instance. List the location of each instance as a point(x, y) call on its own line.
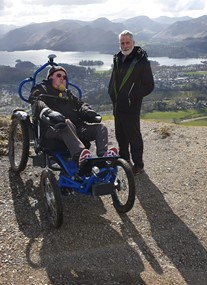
point(161, 241)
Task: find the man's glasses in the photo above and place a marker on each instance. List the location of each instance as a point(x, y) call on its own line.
point(60, 75)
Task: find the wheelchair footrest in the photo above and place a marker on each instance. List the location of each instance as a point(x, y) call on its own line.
point(39, 160)
point(102, 189)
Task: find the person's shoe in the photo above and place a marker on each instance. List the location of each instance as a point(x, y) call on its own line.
point(113, 151)
point(85, 153)
point(137, 170)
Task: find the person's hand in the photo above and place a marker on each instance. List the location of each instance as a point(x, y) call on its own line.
point(94, 119)
point(56, 117)
point(51, 116)
point(89, 115)
point(97, 119)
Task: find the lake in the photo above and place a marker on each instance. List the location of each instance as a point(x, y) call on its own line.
point(39, 57)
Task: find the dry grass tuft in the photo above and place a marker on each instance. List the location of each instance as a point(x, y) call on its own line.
point(164, 131)
point(5, 121)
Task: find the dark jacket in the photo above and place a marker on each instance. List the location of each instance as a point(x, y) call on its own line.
point(130, 81)
point(68, 105)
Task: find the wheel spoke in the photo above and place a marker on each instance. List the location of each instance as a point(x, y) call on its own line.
point(18, 145)
point(124, 185)
point(52, 197)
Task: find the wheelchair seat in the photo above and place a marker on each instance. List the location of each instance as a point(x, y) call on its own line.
point(53, 145)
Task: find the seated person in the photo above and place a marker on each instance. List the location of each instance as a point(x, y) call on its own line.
point(82, 123)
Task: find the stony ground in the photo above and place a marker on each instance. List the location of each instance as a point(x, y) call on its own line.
point(162, 240)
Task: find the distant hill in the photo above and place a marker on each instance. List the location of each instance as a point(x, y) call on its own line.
point(170, 20)
point(6, 28)
point(180, 30)
point(101, 35)
point(143, 27)
point(143, 23)
point(64, 35)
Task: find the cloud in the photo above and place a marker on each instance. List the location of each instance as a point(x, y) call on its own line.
point(63, 2)
point(2, 5)
point(5, 3)
point(180, 5)
point(196, 5)
point(23, 12)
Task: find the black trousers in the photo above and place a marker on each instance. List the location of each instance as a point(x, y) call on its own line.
point(73, 137)
point(129, 137)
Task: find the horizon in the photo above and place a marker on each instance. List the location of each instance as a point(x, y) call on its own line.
point(114, 21)
point(25, 12)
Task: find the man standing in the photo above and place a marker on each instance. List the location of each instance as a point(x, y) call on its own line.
point(131, 80)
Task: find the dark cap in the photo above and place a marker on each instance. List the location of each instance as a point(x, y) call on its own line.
point(54, 69)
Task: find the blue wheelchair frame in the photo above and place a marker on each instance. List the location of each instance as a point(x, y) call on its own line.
point(96, 177)
point(84, 185)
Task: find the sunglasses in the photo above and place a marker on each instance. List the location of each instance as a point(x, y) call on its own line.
point(60, 75)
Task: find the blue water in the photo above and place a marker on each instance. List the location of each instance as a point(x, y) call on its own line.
point(39, 57)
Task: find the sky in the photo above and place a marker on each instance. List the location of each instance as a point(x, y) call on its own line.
point(24, 12)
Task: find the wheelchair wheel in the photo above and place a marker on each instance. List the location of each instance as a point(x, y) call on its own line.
point(18, 145)
point(52, 198)
point(124, 196)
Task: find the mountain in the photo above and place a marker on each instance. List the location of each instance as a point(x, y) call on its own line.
point(143, 23)
point(105, 24)
point(180, 30)
point(196, 45)
point(143, 27)
point(101, 34)
point(170, 20)
point(64, 35)
point(6, 28)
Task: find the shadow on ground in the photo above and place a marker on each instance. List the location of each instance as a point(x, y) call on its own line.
point(86, 249)
point(171, 234)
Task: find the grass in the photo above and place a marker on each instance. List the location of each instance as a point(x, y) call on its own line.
point(196, 123)
point(199, 72)
point(177, 117)
point(172, 117)
point(107, 117)
point(167, 117)
point(5, 121)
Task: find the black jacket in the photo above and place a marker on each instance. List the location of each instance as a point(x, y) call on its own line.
point(68, 105)
point(130, 81)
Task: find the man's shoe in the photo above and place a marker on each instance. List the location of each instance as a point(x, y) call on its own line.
point(85, 153)
point(137, 170)
point(113, 151)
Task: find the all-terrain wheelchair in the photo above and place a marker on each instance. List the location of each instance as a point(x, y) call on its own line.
point(96, 177)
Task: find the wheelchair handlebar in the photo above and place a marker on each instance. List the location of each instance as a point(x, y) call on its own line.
point(33, 79)
point(30, 79)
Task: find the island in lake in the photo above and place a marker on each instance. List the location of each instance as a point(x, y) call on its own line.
point(91, 62)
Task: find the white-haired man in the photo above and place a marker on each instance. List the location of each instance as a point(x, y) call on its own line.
point(130, 81)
